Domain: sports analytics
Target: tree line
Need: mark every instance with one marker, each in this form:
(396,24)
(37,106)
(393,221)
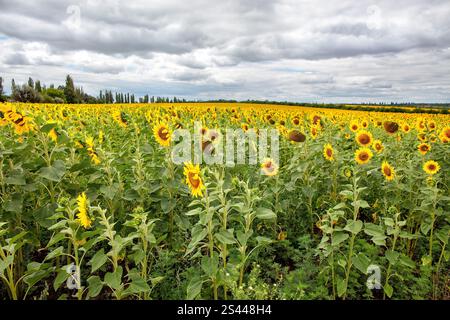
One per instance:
(36,92)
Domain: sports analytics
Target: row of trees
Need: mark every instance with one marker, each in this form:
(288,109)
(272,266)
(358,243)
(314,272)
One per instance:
(35,92)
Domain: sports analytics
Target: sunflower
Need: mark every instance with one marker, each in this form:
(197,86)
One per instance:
(431,167)
(390,126)
(53,134)
(21,124)
(83,211)
(295,121)
(119,116)
(424,148)
(422,137)
(328,152)
(388,171)
(296,136)
(193,179)
(445,135)
(365,124)
(162,134)
(406,128)
(91,150)
(314,131)
(363,155)
(377,145)
(244,127)
(364,138)
(354,126)
(269,167)
(101,136)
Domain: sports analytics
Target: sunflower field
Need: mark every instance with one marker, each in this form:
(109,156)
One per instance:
(93,207)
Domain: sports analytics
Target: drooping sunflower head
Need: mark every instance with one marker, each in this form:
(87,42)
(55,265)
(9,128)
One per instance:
(390,127)
(83,211)
(269,167)
(363,155)
(431,167)
(193,179)
(378,146)
(162,134)
(424,148)
(364,138)
(328,152)
(296,136)
(388,171)
(120,118)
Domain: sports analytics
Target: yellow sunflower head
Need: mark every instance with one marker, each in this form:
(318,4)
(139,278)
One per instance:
(83,211)
(406,128)
(193,179)
(378,146)
(445,135)
(431,167)
(162,134)
(363,155)
(388,171)
(424,148)
(328,152)
(354,126)
(364,138)
(269,167)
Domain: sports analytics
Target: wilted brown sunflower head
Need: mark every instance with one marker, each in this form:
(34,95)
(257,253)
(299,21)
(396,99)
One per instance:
(390,126)
(296,136)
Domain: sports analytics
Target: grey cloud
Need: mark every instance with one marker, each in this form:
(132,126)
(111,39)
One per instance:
(18,59)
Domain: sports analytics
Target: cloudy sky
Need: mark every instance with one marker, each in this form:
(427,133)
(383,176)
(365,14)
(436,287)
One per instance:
(297,50)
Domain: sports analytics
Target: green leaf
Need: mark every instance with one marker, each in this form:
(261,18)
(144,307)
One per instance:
(114,279)
(406,261)
(55,172)
(55,253)
(46,128)
(95,286)
(226,236)
(60,278)
(265,214)
(361,262)
(341,287)
(354,226)
(339,237)
(138,285)
(16,180)
(15,204)
(210,265)
(98,260)
(194,212)
(361,204)
(392,256)
(198,234)
(194,288)
(388,290)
